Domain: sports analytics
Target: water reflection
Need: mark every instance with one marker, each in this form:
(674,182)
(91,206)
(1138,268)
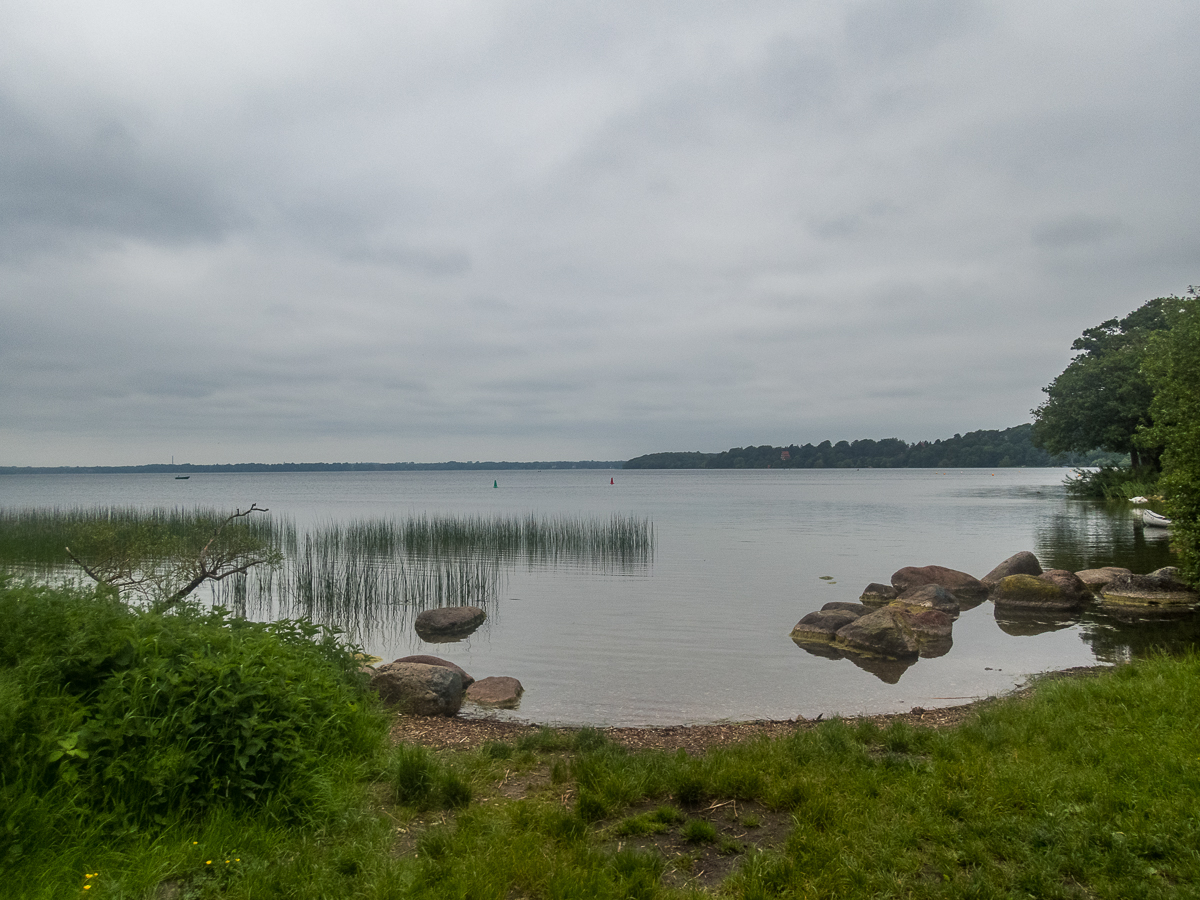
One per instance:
(1088,534)
(371,578)
(1027,623)
(1115,636)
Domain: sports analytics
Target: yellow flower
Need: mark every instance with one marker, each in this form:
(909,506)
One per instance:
(208,862)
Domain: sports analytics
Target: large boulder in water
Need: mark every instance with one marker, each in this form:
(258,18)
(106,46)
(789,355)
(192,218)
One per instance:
(1154,589)
(498,692)
(437,661)
(821,626)
(877,593)
(448,623)
(931,596)
(898,631)
(419,690)
(1049,591)
(960,584)
(859,609)
(1095,579)
(931,628)
(1023,563)
(880,634)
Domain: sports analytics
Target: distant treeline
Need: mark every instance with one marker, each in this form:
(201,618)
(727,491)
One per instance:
(976,449)
(189,469)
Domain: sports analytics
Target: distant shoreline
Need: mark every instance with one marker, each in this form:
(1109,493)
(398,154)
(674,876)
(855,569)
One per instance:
(231,468)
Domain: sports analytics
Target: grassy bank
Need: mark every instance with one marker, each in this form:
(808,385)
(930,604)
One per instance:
(123,735)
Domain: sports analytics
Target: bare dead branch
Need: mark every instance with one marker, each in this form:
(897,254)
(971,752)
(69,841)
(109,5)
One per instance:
(79,562)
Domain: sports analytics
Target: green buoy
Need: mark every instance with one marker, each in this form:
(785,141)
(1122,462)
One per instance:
(495,484)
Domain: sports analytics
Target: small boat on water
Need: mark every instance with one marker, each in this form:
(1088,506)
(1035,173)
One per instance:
(182,477)
(1154,520)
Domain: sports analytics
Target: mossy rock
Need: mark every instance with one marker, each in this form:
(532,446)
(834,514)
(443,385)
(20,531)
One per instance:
(1035,592)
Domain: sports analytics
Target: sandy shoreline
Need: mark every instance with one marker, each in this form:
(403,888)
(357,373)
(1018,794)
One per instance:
(465,734)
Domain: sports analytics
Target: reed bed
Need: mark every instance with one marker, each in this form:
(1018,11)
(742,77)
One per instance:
(34,539)
(368,576)
(364,576)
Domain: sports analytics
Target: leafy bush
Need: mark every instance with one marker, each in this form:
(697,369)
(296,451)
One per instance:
(1112,483)
(135,716)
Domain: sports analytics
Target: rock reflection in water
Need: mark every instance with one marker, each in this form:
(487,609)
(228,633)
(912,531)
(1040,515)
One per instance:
(1027,623)
(1089,534)
(1117,635)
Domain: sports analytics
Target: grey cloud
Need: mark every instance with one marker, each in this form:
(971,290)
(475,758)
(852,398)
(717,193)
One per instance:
(538,229)
(94,178)
(878,29)
(1069,231)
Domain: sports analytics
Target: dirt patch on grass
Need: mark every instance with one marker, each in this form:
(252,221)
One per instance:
(465,734)
(695,858)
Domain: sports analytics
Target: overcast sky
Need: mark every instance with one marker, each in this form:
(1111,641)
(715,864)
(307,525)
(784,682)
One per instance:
(289,231)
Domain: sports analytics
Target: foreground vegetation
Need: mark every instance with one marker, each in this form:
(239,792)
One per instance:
(193,755)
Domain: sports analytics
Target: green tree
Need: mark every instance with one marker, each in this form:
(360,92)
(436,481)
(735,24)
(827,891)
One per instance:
(1173,368)
(1103,398)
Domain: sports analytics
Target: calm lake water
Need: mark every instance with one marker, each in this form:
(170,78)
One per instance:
(700,634)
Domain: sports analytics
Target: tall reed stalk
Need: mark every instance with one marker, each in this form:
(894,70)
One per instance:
(363,575)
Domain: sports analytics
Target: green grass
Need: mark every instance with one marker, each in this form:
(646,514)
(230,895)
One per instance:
(1087,789)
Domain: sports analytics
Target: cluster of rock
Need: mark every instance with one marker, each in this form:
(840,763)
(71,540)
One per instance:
(425,685)
(430,686)
(895,624)
(912,617)
(1021,586)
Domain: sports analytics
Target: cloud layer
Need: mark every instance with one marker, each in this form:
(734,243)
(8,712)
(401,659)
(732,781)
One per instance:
(536,230)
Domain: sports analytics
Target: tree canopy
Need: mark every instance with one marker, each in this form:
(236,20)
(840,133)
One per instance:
(1173,369)
(1103,398)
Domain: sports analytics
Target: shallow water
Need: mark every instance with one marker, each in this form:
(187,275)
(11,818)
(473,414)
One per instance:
(701,634)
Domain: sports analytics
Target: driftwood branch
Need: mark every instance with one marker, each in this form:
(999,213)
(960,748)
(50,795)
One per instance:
(79,562)
(218,568)
(209,565)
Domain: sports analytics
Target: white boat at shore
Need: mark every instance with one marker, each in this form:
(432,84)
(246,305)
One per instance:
(1154,520)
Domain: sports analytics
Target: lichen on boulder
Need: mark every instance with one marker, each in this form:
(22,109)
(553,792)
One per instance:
(1023,563)
(1039,592)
